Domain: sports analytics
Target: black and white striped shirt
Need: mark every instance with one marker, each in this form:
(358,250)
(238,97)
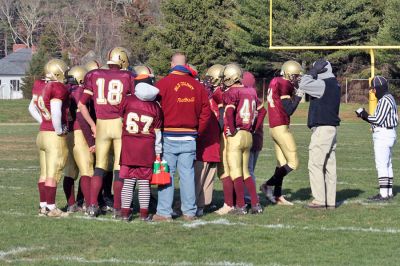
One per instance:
(385,114)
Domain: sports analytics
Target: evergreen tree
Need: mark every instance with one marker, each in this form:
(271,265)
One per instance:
(198,28)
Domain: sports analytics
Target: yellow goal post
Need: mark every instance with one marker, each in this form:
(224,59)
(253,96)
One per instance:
(367,48)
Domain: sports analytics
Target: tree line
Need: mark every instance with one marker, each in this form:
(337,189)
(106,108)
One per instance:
(208,31)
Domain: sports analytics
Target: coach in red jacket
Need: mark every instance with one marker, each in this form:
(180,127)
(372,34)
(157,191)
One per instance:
(186,109)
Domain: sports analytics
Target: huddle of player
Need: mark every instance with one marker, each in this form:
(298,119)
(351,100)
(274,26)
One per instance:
(90,117)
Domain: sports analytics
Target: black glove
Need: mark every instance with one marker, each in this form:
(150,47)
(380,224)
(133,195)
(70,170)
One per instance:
(362,114)
(318,68)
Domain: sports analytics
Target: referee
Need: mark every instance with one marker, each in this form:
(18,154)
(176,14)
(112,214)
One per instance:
(383,122)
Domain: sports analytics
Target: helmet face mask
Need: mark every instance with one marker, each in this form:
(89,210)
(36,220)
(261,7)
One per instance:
(231,75)
(118,56)
(292,71)
(55,70)
(214,75)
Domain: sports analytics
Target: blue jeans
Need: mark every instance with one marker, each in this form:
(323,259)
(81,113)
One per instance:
(178,154)
(252,166)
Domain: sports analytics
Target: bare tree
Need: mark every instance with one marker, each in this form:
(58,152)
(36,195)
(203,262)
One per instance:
(23,17)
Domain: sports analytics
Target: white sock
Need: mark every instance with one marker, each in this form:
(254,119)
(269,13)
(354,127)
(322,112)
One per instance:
(51,207)
(43,204)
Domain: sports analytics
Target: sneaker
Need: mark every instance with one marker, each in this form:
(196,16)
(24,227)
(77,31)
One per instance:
(93,211)
(224,209)
(239,210)
(73,208)
(160,218)
(116,214)
(268,192)
(282,201)
(56,212)
(146,219)
(42,211)
(189,218)
(108,204)
(200,212)
(378,197)
(256,209)
(127,218)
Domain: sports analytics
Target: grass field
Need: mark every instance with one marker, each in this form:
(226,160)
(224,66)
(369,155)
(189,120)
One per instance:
(356,233)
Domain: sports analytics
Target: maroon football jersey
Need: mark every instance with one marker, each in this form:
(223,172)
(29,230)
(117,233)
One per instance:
(245,102)
(107,87)
(140,118)
(75,94)
(279,88)
(53,91)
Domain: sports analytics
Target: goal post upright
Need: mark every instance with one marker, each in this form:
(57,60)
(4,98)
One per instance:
(367,48)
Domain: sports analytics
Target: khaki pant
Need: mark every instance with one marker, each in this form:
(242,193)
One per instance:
(204,173)
(108,135)
(53,153)
(322,165)
(285,146)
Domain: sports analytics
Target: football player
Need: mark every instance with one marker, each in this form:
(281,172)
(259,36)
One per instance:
(107,88)
(144,74)
(81,146)
(51,101)
(281,105)
(239,122)
(141,143)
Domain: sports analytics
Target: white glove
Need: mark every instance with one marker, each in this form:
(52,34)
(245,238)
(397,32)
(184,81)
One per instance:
(300,93)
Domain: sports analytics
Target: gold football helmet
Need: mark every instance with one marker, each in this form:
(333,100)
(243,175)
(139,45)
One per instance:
(78,73)
(213,74)
(118,56)
(291,70)
(91,65)
(142,71)
(231,74)
(55,70)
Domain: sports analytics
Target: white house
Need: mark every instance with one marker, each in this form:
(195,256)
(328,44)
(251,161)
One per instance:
(12,69)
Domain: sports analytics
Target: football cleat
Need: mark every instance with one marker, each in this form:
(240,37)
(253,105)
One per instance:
(239,210)
(73,208)
(282,201)
(256,209)
(224,209)
(56,212)
(93,211)
(268,192)
(378,197)
(42,211)
(116,214)
(146,219)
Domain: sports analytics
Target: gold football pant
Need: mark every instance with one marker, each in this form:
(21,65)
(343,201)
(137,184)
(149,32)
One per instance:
(285,146)
(108,134)
(80,159)
(53,153)
(238,154)
(223,167)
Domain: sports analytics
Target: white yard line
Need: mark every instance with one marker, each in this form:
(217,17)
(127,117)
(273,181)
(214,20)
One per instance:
(15,251)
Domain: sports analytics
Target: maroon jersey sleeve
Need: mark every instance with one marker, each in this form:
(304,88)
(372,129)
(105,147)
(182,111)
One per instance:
(278,89)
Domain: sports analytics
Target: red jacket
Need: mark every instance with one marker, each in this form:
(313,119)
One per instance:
(208,144)
(185,105)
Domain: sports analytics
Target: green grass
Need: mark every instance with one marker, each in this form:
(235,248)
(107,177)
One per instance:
(357,233)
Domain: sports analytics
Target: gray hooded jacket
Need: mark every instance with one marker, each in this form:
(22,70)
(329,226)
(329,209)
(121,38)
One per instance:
(316,87)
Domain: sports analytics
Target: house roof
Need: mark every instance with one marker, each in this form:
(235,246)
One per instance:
(17,63)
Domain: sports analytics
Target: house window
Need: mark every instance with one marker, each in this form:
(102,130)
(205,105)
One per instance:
(14,84)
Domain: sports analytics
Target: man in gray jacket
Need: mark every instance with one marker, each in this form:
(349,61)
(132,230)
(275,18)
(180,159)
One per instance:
(323,118)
